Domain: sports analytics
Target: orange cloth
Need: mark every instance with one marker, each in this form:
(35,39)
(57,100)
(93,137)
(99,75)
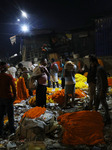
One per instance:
(83,127)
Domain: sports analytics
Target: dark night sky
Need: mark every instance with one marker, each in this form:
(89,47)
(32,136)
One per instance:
(55,14)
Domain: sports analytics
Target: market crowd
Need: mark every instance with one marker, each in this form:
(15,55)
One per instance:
(46,74)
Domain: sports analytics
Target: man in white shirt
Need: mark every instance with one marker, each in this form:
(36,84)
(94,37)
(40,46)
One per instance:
(12,70)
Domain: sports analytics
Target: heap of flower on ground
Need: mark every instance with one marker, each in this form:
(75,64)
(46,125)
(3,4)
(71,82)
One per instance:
(34,112)
(59,96)
(83,127)
(81,81)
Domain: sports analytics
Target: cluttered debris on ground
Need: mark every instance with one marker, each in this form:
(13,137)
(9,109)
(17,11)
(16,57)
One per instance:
(54,128)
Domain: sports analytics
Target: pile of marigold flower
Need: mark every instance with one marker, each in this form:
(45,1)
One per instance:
(57,94)
(32,101)
(81,81)
(83,127)
(52,90)
(58,97)
(22,91)
(79,93)
(49,99)
(34,112)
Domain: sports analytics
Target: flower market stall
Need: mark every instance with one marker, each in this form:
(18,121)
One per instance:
(73,128)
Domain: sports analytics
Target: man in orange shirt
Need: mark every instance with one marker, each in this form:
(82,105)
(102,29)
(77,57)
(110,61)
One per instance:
(6,97)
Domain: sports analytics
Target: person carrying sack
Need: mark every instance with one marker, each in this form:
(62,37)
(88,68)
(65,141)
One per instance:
(41,74)
(33,78)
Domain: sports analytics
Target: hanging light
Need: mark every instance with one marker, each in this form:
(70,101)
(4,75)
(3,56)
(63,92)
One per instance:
(24,14)
(25,28)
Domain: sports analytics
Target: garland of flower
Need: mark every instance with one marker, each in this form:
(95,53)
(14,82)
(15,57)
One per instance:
(22,91)
(79,93)
(83,127)
(34,112)
(59,96)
